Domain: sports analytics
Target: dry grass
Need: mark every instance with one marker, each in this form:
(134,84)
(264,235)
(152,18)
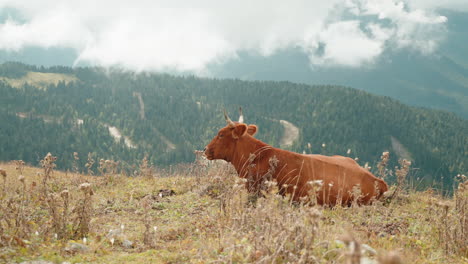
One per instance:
(207,219)
(40,79)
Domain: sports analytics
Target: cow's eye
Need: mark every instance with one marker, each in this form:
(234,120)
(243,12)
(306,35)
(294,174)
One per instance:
(220,135)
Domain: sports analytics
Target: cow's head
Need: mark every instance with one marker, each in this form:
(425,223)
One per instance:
(223,144)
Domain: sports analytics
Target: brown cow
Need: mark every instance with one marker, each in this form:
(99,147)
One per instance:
(294,173)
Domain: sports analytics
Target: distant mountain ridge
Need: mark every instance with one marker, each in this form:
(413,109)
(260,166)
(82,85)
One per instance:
(74,116)
(438,80)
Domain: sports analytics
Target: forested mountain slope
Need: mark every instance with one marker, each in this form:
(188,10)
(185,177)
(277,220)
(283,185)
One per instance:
(167,117)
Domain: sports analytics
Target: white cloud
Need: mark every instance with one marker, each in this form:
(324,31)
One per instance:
(346,44)
(176,35)
(412,28)
(455,5)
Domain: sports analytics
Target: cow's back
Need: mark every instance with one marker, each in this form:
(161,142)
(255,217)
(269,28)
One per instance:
(340,175)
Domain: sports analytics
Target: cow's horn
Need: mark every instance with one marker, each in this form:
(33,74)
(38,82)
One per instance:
(241,116)
(228,120)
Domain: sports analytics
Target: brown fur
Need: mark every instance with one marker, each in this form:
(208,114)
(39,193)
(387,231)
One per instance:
(293,172)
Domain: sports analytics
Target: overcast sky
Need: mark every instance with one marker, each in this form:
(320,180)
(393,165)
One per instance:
(175,35)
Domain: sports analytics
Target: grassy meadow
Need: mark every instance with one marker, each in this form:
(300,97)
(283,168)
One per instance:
(200,214)
(40,79)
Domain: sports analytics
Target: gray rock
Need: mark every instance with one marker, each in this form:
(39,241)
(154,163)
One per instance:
(115,233)
(127,244)
(73,247)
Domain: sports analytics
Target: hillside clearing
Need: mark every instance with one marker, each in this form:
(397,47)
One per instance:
(115,133)
(196,214)
(40,79)
(142,104)
(290,134)
(400,150)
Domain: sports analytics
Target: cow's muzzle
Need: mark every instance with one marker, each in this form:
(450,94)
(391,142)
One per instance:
(208,153)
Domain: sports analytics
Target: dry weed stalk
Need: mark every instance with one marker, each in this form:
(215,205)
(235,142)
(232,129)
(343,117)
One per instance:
(316,186)
(58,214)
(256,183)
(83,210)
(356,193)
(367,167)
(14,216)
(54,212)
(453,226)
(48,164)
(271,230)
(89,164)
(461,213)
(146,169)
(401,174)
(4,176)
(149,234)
(108,168)
(75,166)
(21,219)
(461,201)
(217,182)
(64,221)
(382,165)
(353,255)
(2,210)
(19,166)
(200,165)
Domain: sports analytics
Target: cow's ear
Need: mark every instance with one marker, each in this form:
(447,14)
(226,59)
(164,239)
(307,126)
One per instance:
(252,130)
(239,130)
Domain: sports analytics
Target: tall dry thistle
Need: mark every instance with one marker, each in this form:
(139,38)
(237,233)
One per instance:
(21,219)
(256,183)
(48,164)
(89,164)
(148,235)
(460,213)
(272,230)
(19,166)
(54,212)
(315,187)
(357,195)
(382,165)
(353,255)
(76,159)
(268,177)
(401,174)
(64,221)
(4,176)
(83,211)
(108,168)
(146,169)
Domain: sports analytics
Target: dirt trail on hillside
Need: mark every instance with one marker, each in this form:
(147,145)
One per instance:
(291,134)
(142,104)
(115,133)
(169,144)
(400,150)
